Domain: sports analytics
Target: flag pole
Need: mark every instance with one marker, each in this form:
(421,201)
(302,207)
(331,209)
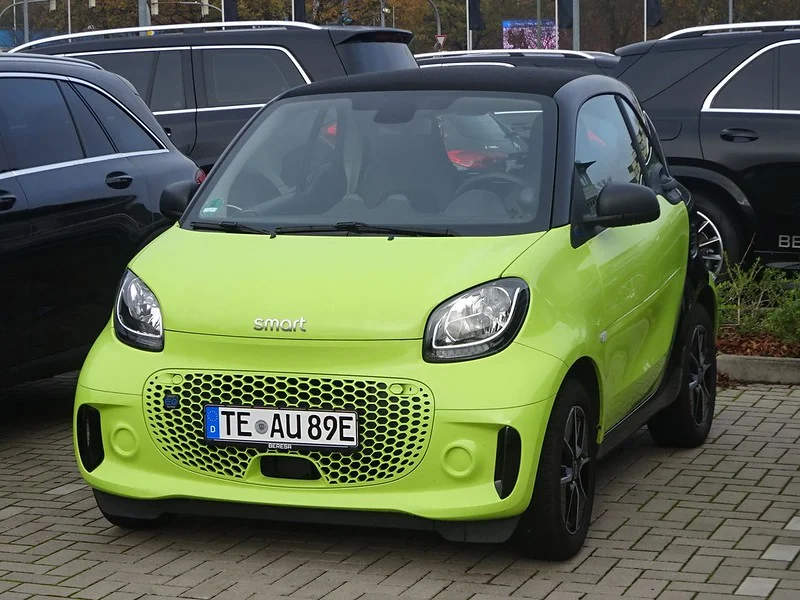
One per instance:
(576,24)
(645,19)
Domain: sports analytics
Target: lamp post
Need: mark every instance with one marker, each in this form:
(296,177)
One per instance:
(438,20)
(13,6)
(469,31)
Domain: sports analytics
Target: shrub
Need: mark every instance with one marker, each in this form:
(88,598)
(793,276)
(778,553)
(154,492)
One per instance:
(784,321)
(750,295)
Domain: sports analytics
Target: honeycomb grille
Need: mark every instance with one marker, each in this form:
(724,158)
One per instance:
(395,419)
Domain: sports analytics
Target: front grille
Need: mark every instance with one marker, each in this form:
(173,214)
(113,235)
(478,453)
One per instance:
(395,418)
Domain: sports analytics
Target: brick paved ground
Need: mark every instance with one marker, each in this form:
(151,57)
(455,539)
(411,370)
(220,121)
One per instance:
(719,522)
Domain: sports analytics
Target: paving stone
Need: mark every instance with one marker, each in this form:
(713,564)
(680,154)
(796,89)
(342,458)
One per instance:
(756,586)
(782,552)
(702,564)
(706,523)
(793,525)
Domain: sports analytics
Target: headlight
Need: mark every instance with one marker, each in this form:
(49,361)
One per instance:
(481,321)
(137,315)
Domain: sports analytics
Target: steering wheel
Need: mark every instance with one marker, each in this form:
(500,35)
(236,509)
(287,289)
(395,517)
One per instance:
(240,211)
(511,204)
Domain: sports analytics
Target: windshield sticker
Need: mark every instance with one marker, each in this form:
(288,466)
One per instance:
(213,206)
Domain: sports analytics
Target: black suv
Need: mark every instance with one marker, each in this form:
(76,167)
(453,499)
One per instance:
(203,81)
(725,100)
(83,163)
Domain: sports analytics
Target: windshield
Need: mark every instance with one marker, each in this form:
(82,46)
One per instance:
(427,159)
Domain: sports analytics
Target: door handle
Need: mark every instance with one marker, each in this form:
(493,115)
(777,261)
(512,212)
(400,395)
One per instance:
(736,135)
(118,180)
(7,200)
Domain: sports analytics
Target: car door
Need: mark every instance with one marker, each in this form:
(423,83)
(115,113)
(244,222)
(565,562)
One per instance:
(163,78)
(15,280)
(232,83)
(750,125)
(85,201)
(639,266)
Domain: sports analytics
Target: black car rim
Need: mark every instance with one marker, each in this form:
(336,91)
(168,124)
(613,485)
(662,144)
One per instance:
(575,469)
(700,372)
(710,244)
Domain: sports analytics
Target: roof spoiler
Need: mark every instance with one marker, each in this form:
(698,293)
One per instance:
(347,35)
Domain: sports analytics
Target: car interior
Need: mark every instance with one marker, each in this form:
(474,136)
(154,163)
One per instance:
(379,167)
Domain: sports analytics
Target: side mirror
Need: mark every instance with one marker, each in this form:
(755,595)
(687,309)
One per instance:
(176,197)
(621,204)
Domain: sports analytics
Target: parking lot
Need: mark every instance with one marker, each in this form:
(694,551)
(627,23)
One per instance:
(720,521)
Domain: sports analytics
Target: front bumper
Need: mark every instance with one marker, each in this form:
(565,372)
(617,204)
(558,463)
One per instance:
(449,486)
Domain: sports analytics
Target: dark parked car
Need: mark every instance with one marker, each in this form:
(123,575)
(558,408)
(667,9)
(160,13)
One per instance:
(82,166)
(725,100)
(203,81)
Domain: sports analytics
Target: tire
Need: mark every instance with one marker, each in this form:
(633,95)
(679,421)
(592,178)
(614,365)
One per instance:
(715,221)
(136,524)
(686,422)
(545,531)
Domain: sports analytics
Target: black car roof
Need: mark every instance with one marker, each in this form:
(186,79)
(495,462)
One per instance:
(717,36)
(542,81)
(42,62)
(207,34)
(597,62)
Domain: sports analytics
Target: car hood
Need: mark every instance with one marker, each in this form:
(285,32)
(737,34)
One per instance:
(342,287)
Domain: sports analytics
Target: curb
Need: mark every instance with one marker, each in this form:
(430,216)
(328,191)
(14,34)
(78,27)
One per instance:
(759,369)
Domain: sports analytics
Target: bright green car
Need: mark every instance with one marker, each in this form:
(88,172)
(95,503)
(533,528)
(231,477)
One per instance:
(363,316)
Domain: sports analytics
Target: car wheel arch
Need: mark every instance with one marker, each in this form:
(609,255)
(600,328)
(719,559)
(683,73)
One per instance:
(720,189)
(722,198)
(708,300)
(585,371)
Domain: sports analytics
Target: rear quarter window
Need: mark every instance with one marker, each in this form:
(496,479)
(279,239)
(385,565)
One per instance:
(365,57)
(136,67)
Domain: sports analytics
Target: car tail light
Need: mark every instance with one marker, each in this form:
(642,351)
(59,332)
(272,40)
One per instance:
(200,176)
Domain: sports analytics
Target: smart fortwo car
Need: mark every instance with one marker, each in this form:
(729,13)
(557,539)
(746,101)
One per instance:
(351,328)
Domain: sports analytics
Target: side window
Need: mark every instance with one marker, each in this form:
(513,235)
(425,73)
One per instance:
(94,138)
(604,151)
(642,139)
(237,76)
(750,88)
(34,110)
(788,81)
(127,134)
(136,67)
(168,90)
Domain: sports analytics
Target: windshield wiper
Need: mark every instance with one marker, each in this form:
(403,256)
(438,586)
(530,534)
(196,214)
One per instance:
(358,227)
(234,226)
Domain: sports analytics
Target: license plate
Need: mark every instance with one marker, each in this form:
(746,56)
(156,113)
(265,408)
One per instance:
(281,429)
